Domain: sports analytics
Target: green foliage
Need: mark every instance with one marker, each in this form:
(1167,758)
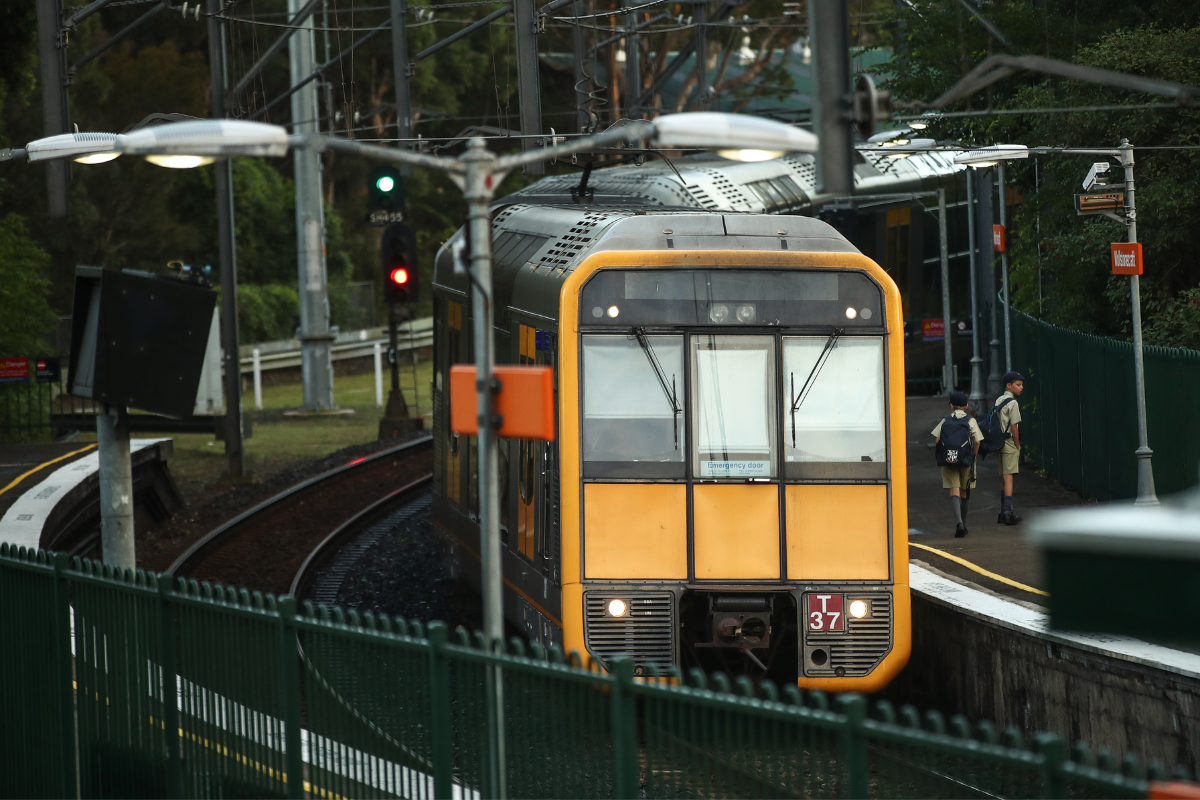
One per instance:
(26,317)
(267,313)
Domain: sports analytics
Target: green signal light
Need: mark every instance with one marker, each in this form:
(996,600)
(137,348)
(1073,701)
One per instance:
(385,184)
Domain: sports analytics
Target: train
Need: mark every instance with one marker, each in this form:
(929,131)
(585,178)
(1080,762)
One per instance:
(727,489)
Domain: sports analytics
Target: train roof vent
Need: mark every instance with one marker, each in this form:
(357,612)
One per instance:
(726,187)
(567,248)
(805,169)
(701,195)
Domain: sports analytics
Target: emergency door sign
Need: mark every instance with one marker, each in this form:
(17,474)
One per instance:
(998,238)
(1127,258)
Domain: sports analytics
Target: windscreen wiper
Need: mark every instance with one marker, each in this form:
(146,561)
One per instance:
(798,399)
(670,394)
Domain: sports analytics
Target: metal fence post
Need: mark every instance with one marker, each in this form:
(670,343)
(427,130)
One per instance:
(439,711)
(1054,752)
(64,677)
(624,729)
(854,707)
(289,666)
(170,688)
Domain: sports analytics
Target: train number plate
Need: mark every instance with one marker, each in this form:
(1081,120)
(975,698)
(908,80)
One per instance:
(825,612)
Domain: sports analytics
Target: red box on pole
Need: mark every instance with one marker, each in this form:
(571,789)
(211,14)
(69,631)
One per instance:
(1126,258)
(998,242)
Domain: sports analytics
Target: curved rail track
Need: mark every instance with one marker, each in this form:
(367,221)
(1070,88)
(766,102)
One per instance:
(279,545)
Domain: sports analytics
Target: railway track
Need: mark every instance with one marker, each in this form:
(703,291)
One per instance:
(280,545)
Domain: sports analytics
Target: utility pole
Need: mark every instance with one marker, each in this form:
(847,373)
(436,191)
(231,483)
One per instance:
(1145,494)
(56,118)
(994,387)
(947,331)
(227,252)
(116,488)
(400,75)
(316,342)
(702,56)
(633,64)
(829,31)
(1004,269)
(528,92)
(977,398)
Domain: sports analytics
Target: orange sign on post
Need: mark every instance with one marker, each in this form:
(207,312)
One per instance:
(525,402)
(998,238)
(1127,258)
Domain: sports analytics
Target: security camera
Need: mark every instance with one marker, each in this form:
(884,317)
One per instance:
(1097,175)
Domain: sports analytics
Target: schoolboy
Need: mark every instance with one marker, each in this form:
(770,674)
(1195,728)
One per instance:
(960,480)
(1010,456)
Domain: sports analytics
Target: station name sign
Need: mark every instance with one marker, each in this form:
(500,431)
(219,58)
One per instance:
(1126,258)
(998,240)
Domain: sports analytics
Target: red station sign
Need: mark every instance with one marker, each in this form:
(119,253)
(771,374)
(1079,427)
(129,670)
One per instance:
(1126,258)
(998,242)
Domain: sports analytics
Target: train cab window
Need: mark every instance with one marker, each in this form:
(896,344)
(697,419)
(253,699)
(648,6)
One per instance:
(633,406)
(834,404)
(733,412)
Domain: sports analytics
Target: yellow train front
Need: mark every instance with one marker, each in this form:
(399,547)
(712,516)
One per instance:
(727,490)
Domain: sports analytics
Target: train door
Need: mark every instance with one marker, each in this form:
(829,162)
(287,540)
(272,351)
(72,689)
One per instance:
(533,462)
(455,445)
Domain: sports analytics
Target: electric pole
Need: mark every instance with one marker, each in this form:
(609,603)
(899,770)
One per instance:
(316,341)
(227,252)
(528,91)
(829,31)
(56,118)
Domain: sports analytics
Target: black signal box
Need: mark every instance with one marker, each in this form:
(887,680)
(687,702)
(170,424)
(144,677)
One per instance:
(138,340)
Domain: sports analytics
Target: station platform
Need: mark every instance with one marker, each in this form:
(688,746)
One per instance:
(996,556)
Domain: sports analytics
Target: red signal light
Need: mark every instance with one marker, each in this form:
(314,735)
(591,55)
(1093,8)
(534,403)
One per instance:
(399,276)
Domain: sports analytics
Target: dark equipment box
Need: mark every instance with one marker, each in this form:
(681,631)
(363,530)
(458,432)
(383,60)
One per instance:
(138,340)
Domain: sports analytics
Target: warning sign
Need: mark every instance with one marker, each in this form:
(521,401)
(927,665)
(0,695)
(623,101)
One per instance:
(933,330)
(14,370)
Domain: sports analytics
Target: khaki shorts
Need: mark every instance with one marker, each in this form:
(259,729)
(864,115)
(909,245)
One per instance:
(1010,459)
(955,478)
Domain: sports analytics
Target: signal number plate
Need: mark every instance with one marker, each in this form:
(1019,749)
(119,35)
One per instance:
(825,612)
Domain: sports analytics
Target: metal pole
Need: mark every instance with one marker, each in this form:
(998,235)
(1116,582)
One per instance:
(977,398)
(1145,494)
(829,31)
(525,17)
(1004,270)
(583,85)
(994,387)
(633,64)
(257,379)
(400,74)
(55,109)
(701,56)
(947,331)
(479,185)
(116,488)
(228,253)
(378,354)
(316,342)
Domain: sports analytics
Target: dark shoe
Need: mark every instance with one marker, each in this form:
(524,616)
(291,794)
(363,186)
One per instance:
(960,531)
(1000,519)
(1012,519)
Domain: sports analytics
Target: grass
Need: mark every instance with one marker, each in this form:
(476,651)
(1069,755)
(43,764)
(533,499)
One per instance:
(280,441)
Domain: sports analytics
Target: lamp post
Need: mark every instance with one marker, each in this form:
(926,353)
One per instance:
(478,173)
(977,397)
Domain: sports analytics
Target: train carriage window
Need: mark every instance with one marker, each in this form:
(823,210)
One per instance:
(632,406)
(833,413)
(734,406)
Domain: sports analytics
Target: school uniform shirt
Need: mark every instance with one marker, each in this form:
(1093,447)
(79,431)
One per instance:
(1009,415)
(976,434)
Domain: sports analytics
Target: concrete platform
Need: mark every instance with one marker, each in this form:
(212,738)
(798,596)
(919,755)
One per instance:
(52,499)
(1000,550)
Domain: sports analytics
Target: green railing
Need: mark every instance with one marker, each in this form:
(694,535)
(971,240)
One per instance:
(1079,412)
(137,686)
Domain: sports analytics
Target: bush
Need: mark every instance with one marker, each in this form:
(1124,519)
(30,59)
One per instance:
(267,313)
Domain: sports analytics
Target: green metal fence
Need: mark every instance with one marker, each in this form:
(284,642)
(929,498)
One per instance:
(133,685)
(1079,412)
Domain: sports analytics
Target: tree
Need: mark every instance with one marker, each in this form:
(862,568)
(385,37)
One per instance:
(27,318)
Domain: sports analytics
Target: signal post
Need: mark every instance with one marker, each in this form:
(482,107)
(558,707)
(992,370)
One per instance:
(398,258)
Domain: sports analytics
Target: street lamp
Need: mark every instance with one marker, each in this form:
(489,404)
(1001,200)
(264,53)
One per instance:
(85,148)
(995,156)
(478,173)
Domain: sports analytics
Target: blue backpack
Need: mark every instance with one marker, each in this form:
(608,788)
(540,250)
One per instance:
(994,434)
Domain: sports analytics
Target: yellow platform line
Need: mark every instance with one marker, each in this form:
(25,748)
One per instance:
(981,570)
(25,475)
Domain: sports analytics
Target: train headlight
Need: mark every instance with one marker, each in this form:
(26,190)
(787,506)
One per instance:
(858,608)
(613,311)
(617,608)
(749,154)
(745,313)
(851,313)
(718,313)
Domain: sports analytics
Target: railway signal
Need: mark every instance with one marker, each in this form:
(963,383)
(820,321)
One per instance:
(385,196)
(399,257)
